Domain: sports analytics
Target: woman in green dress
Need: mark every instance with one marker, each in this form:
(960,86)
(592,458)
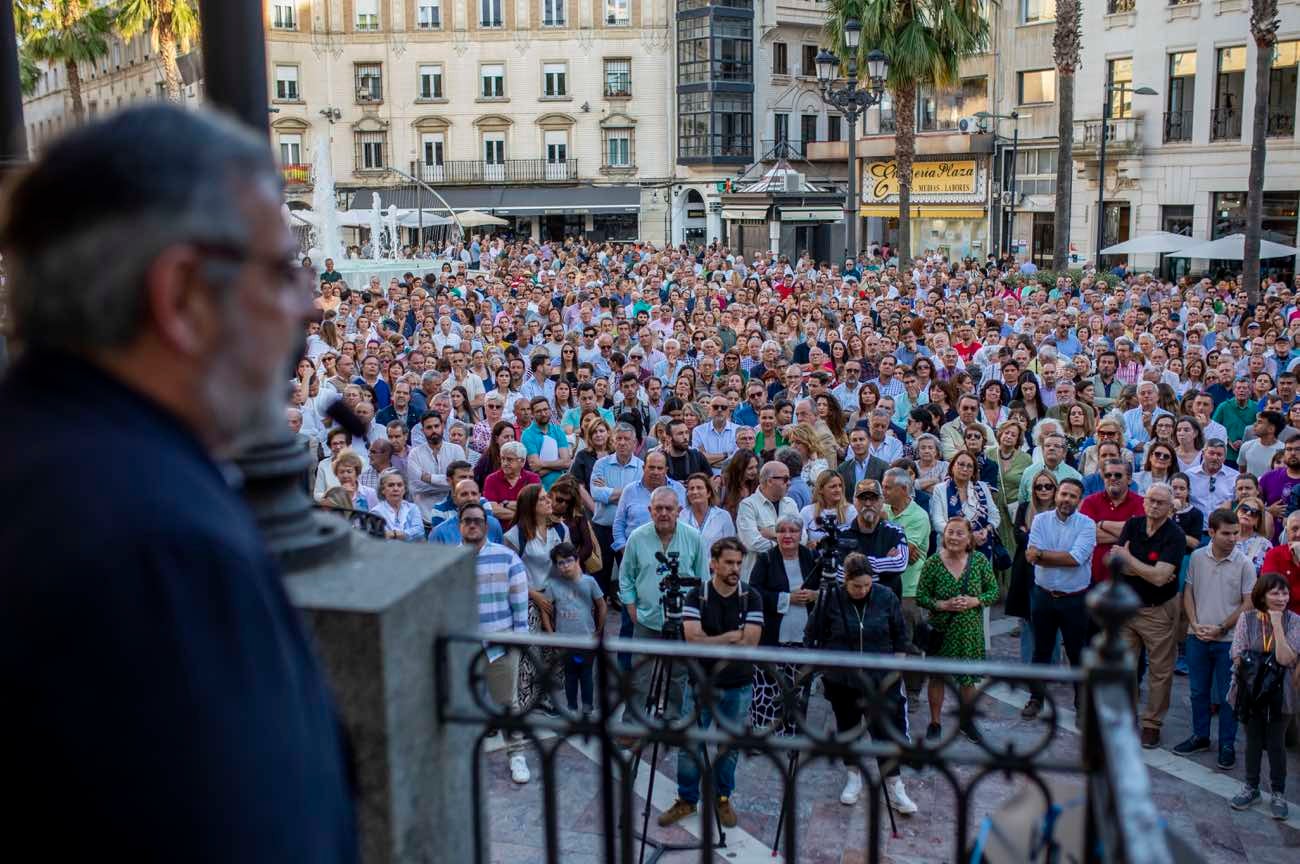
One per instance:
(956,583)
(1012,462)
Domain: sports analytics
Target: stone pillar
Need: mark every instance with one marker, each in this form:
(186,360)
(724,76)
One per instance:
(373,613)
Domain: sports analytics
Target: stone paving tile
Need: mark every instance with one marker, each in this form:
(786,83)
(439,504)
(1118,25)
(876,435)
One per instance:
(831,833)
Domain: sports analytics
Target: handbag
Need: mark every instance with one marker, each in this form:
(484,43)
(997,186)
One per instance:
(1260,681)
(593,562)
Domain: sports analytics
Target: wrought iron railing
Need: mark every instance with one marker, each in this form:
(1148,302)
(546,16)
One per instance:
(1281,124)
(1178,126)
(296,174)
(1225,124)
(472,171)
(1106,776)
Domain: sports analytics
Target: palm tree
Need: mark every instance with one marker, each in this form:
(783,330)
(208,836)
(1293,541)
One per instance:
(169,22)
(68,32)
(926,41)
(1066,45)
(1263,29)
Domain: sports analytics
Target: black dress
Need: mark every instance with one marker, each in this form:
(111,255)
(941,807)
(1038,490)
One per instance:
(1022,572)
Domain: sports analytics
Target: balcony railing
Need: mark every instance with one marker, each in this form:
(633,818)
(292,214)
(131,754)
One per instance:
(1178,126)
(785,148)
(1281,124)
(728,147)
(1102,778)
(1225,124)
(465,172)
(296,174)
(1123,135)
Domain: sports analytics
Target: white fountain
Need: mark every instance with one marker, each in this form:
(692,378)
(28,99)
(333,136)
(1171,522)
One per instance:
(325,206)
(394,232)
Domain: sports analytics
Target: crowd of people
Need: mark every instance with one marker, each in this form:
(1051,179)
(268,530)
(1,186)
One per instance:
(971,435)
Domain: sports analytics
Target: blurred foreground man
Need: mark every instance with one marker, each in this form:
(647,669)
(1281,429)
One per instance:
(156,679)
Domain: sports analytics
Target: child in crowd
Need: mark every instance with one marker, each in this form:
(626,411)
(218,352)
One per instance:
(579,611)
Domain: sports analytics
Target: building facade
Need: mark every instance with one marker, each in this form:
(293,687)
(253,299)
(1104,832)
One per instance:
(1179,160)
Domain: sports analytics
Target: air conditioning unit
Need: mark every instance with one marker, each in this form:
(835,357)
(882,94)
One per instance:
(1010,199)
(971,125)
(793,182)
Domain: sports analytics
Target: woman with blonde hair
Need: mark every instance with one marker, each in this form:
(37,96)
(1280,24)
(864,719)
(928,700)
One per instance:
(1256,530)
(817,455)
(828,497)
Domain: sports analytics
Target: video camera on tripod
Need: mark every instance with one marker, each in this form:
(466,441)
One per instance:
(828,560)
(672,590)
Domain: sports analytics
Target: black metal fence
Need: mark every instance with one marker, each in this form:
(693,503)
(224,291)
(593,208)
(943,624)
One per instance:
(1122,824)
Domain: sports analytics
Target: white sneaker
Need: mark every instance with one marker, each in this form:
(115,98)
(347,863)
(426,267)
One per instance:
(852,788)
(519,769)
(898,797)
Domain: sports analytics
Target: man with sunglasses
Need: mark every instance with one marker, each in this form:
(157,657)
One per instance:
(1111,508)
(163,616)
(883,543)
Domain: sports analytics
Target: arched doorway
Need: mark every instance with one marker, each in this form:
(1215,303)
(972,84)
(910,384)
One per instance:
(695,221)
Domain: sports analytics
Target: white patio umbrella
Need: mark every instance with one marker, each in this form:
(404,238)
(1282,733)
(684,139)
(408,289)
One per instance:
(475,218)
(1149,244)
(1233,248)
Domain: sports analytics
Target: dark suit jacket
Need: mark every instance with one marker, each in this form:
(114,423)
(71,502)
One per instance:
(876,468)
(768,578)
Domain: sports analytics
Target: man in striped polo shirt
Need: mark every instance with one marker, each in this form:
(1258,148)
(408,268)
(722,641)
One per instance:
(502,605)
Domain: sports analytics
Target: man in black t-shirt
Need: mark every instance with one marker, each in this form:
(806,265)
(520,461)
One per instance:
(1149,552)
(720,612)
(684,460)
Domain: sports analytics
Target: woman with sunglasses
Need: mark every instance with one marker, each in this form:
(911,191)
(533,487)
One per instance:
(1042,498)
(1159,466)
(1256,530)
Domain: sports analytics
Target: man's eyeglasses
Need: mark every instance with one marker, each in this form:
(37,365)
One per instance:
(1113,475)
(473,520)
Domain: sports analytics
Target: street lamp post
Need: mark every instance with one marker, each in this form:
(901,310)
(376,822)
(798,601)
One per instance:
(851,102)
(1007,221)
(1110,88)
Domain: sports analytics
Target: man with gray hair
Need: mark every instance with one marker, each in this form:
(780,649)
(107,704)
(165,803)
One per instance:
(902,510)
(168,305)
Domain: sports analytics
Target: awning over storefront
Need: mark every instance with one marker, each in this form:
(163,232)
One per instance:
(515,200)
(812,214)
(927,211)
(745,214)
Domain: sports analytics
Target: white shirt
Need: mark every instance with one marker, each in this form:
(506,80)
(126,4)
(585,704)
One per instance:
(472,383)
(717,524)
(424,461)
(754,514)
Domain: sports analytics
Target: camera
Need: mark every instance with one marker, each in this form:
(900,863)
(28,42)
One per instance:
(672,590)
(827,552)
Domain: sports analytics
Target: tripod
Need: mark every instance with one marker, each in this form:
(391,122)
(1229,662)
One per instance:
(826,569)
(656,706)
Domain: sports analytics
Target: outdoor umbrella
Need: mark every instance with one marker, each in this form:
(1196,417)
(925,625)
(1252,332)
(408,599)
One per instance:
(1148,244)
(1233,248)
(475,218)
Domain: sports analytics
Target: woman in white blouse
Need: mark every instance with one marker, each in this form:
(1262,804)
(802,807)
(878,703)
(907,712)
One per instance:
(961,492)
(401,517)
(827,497)
(702,511)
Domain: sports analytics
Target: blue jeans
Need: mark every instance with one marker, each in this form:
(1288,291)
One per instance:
(1209,672)
(732,704)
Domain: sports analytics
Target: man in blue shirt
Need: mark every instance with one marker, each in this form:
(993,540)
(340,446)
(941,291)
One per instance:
(540,439)
(1137,421)
(1060,549)
(464,491)
(610,476)
(634,503)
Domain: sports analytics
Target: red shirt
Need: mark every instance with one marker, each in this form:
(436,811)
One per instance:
(1099,508)
(1280,560)
(497,490)
(965,350)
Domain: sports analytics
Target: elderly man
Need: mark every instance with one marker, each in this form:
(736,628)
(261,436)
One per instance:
(902,510)
(167,306)
(610,475)
(757,515)
(1212,481)
(1111,509)
(1149,552)
(464,492)
(638,581)
(1137,421)
(1053,462)
(952,435)
(884,543)
(717,438)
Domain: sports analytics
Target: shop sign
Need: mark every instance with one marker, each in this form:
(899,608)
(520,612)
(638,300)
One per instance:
(928,178)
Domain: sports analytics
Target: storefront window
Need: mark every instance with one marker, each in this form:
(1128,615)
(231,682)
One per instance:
(1278,225)
(1176,219)
(613,226)
(1043,239)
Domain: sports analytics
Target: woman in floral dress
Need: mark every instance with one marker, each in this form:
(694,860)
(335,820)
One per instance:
(956,584)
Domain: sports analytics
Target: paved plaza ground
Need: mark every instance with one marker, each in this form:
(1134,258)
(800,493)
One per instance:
(1190,793)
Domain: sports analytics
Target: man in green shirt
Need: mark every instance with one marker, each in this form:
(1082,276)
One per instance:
(638,583)
(903,511)
(330,274)
(1237,415)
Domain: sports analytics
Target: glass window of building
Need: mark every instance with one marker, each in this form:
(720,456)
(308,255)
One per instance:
(1036,86)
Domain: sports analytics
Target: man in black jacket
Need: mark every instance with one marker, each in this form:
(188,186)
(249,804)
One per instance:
(883,543)
(860,464)
(683,459)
